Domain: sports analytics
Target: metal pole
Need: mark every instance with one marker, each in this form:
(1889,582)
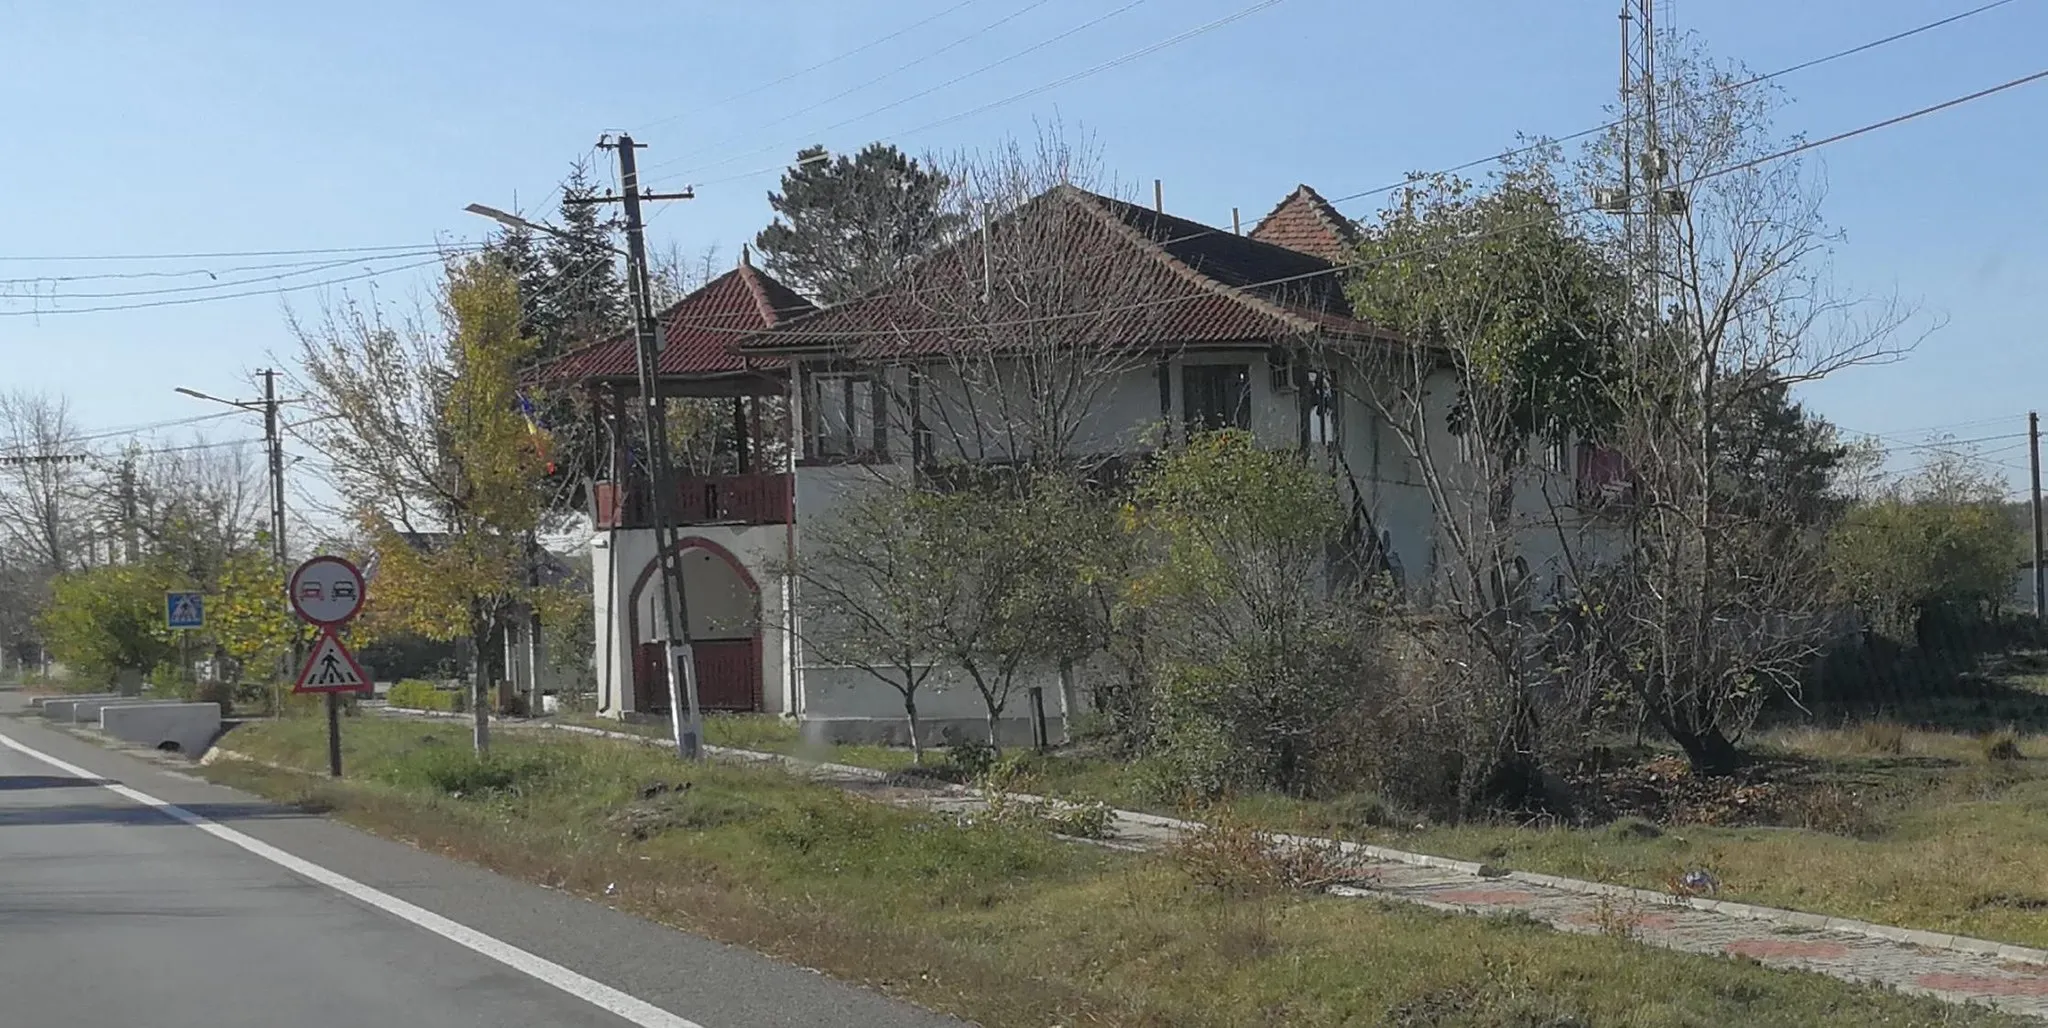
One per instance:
(273,441)
(2034,460)
(334,734)
(675,611)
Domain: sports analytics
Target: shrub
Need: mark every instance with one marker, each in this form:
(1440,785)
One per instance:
(417,694)
(1231,856)
(1835,810)
(970,759)
(2001,746)
(459,772)
(1887,737)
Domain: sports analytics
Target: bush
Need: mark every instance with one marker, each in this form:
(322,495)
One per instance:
(970,759)
(459,772)
(1230,856)
(2002,746)
(416,694)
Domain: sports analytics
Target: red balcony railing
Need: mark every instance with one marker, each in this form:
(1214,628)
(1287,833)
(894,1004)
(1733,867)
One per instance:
(756,499)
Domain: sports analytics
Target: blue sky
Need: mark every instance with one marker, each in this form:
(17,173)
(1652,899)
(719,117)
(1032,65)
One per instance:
(157,128)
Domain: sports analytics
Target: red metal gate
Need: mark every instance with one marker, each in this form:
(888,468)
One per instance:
(728,676)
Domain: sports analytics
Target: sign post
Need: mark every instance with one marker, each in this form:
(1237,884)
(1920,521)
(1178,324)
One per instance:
(327,592)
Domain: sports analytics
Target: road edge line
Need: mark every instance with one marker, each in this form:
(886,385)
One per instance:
(596,993)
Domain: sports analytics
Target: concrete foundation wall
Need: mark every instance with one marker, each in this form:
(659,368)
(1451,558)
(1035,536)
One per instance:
(934,731)
(64,708)
(192,727)
(41,703)
(87,712)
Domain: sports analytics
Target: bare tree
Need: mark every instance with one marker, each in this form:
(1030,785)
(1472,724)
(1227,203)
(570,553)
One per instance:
(1510,320)
(870,584)
(42,480)
(1042,301)
(1714,602)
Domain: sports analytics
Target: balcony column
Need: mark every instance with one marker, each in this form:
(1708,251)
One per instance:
(739,433)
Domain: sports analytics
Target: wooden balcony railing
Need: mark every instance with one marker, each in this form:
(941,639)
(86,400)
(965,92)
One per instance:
(756,499)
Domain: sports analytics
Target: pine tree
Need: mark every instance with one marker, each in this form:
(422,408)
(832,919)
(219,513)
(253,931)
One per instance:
(844,227)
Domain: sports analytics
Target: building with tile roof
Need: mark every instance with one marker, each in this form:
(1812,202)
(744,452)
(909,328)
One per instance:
(1127,326)
(1306,223)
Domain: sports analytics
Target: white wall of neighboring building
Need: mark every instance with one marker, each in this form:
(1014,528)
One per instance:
(719,607)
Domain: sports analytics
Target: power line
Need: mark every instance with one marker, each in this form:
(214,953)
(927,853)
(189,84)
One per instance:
(221,296)
(957,79)
(311,269)
(1728,87)
(899,69)
(1745,165)
(218,254)
(826,63)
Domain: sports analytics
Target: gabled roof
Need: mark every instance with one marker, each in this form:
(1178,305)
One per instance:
(700,329)
(1307,223)
(1143,277)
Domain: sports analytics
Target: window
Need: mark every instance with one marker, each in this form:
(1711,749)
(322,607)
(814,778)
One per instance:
(1468,446)
(844,417)
(1216,396)
(1556,458)
(1318,409)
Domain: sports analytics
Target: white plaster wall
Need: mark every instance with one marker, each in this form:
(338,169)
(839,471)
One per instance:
(1118,411)
(717,606)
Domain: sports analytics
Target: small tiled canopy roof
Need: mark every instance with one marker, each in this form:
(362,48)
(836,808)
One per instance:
(1126,271)
(1307,223)
(701,329)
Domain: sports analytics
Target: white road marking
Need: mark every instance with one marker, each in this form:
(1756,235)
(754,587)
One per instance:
(596,993)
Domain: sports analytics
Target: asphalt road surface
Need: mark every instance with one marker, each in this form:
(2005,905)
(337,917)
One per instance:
(225,911)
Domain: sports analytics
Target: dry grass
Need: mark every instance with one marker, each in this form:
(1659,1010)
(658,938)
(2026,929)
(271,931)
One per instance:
(1235,858)
(1012,928)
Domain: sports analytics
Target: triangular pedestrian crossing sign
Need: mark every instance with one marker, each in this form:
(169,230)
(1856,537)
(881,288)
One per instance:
(331,668)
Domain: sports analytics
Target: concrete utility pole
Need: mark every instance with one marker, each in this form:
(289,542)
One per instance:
(273,443)
(684,714)
(2034,460)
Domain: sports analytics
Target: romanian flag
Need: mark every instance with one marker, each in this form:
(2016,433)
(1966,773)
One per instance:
(536,431)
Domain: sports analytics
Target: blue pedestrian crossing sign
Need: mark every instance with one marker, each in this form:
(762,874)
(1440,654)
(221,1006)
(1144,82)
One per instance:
(185,610)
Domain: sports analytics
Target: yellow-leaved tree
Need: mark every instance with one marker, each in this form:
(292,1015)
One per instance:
(421,421)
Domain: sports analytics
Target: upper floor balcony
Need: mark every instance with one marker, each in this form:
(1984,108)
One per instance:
(761,498)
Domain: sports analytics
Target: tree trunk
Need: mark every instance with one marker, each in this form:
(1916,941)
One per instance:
(1707,750)
(480,700)
(910,721)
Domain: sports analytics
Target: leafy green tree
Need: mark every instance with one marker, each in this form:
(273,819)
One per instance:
(1937,548)
(250,621)
(846,225)
(1500,285)
(1257,647)
(427,430)
(106,620)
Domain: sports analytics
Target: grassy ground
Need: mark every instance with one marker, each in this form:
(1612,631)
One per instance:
(1001,925)
(1875,821)
(766,733)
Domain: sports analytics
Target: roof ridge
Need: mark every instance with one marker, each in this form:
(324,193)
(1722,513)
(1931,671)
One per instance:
(1187,271)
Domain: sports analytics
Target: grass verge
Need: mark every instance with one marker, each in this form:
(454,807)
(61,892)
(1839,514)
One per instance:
(998,924)
(1943,831)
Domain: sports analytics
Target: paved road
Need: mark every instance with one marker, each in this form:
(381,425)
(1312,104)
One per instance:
(113,913)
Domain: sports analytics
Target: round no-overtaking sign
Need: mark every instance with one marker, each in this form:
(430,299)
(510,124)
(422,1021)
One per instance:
(327,591)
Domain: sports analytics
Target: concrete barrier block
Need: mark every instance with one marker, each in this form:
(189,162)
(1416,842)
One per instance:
(60,708)
(188,728)
(87,712)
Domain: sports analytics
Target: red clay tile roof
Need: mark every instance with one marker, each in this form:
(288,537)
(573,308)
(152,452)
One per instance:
(700,329)
(1124,272)
(1307,223)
